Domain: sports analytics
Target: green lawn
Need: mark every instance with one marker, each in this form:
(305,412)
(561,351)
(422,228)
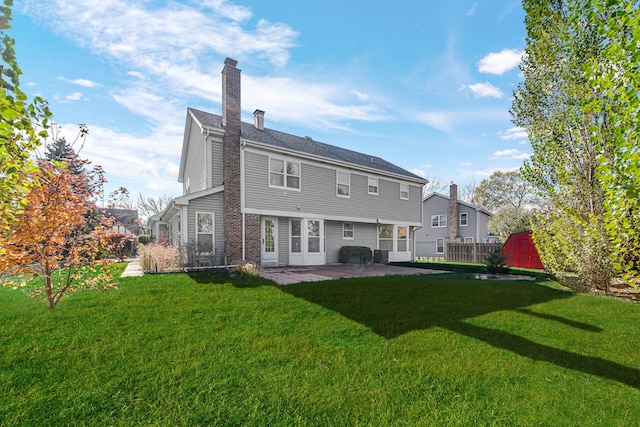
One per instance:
(423,350)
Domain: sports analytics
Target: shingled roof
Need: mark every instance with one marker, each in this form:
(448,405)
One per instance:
(304,145)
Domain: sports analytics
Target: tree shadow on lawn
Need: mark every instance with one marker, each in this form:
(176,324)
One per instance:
(393,306)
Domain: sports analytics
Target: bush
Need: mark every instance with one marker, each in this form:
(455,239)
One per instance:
(495,259)
(121,245)
(355,255)
(145,239)
(158,257)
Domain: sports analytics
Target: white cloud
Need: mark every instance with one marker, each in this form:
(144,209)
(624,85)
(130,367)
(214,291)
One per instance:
(81,82)
(500,62)
(514,133)
(75,96)
(510,154)
(418,172)
(485,90)
(447,121)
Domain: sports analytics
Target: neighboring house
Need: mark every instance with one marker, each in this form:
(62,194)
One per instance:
(447,219)
(126,221)
(257,194)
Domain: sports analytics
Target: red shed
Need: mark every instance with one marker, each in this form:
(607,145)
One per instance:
(521,252)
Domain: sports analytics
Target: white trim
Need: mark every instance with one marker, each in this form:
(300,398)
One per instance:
(339,218)
(443,247)
(377,185)
(213,230)
(184,227)
(285,161)
(466,216)
(408,188)
(342,171)
(446,217)
(353,231)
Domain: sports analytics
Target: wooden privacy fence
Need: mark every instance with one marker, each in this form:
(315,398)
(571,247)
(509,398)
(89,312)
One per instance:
(468,252)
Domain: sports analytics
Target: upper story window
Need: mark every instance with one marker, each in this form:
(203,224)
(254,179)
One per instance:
(464,219)
(404,191)
(372,187)
(438,221)
(343,180)
(284,173)
(347,231)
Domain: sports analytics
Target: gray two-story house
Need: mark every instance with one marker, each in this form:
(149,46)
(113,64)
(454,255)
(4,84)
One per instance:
(448,219)
(256,194)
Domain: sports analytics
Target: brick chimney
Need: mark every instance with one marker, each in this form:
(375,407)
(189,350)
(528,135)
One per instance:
(232,215)
(453,214)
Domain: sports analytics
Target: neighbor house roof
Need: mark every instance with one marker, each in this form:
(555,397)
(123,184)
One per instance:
(305,145)
(472,206)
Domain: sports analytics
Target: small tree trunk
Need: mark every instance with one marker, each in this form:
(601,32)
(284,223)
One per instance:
(48,286)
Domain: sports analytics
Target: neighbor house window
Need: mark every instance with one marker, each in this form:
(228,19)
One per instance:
(438,221)
(284,173)
(204,232)
(464,219)
(440,245)
(372,187)
(343,179)
(347,230)
(468,239)
(404,191)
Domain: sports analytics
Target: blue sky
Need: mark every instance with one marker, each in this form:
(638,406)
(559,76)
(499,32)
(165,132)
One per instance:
(424,84)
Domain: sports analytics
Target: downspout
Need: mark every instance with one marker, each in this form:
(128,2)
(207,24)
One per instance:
(242,210)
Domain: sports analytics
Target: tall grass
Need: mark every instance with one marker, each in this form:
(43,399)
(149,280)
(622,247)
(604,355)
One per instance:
(210,349)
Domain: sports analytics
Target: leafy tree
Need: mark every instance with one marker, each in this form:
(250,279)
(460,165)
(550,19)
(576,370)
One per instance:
(615,77)
(505,189)
(509,220)
(53,237)
(569,136)
(22,126)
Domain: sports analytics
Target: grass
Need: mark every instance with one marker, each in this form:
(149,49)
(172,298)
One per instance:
(206,349)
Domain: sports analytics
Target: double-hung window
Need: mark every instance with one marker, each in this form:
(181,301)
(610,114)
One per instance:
(464,219)
(372,187)
(440,245)
(347,231)
(343,180)
(284,173)
(404,191)
(204,232)
(438,221)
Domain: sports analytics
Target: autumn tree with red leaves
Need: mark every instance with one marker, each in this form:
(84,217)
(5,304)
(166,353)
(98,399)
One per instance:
(57,233)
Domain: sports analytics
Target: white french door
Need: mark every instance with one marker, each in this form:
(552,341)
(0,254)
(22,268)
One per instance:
(306,242)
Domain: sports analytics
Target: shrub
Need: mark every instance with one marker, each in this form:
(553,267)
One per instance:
(355,255)
(121,245)
(495,259)
(158,257)
(245,269)
(145,239)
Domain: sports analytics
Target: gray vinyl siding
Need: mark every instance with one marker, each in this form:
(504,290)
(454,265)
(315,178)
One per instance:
(196,163)
(173,227)
(363,235)
(208,204)
(317,195)
(217,177)
(439,205)
(283,241)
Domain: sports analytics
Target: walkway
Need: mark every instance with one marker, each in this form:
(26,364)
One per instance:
(293,274)
(133,269)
